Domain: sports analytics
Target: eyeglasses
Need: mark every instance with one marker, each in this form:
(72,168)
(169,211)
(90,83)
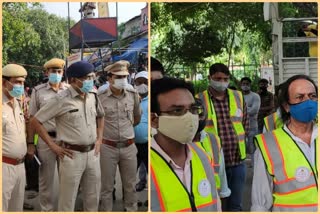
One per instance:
(194,109)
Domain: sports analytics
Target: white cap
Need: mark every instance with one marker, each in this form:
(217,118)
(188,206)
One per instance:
(143,74)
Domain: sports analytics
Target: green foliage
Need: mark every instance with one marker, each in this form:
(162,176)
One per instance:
(197,34)
(31,36)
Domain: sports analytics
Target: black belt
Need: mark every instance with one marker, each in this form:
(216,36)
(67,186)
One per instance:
(53,134)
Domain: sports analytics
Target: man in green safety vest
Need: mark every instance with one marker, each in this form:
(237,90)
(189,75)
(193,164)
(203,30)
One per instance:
(210,143)
(227,118)
(182,176)
(285,172)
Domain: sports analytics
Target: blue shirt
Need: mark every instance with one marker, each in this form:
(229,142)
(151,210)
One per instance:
(141,130)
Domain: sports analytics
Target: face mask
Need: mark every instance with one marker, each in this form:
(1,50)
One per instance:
(305,111)
(245,88)
(179,128)
(219,86)
(16,91)
(120,83)
(202,125)
(55,78)
(263,88)
(142,89)
(87,86)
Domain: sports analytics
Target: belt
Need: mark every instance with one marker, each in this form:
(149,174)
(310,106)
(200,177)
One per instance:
(79,148)
(52,134)
(118,144)
(12,161)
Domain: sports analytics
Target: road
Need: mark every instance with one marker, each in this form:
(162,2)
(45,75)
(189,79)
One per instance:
(117,205)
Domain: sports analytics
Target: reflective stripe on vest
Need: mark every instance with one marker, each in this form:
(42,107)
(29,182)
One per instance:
(272,122)
(169,194)
(287,165)
(212,147)
(236,116)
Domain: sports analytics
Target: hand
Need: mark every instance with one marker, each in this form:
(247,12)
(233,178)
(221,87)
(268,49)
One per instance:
(31,150)
(61,152)
(97,147)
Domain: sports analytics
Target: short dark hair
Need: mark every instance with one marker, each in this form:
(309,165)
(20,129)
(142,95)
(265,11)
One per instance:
(6,78)
(156,65)
(219,67)
(166,84)
(263,81)
(284,94)
(245,78)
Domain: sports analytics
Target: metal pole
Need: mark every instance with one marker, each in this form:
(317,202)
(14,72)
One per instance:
(82,42)
(117,25)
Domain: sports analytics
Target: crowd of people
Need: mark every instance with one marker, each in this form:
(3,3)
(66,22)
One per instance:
(77,134)
(200,143)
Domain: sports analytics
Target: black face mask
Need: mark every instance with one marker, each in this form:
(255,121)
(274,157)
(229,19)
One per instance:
(202,124)
(263,88)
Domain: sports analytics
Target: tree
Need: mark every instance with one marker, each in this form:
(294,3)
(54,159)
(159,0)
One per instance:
(31,36)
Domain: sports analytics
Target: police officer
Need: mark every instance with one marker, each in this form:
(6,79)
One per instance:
(40,96)
(79,124)
(14,146)
(122,113)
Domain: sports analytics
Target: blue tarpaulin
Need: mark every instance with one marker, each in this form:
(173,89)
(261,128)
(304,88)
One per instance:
(131,55)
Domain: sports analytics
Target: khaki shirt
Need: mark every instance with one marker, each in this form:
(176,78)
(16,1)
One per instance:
(40,96)
(119,114)
(14,143)
(75,117)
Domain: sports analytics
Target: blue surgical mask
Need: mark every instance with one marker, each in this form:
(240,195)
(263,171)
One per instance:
(16,91)
(305,111)
(55,78)
(87,86)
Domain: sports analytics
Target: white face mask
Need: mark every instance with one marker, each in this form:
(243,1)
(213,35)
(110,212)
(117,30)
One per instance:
(219,86)
(120,83)
(141,89)
(179,128)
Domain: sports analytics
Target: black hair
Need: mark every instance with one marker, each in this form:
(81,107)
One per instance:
(245,78)
(284,94)
(6,78)
(156,65)
(263,81)
(166,84)
(219,67)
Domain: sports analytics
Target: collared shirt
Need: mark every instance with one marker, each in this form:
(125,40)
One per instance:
(183,174)
(253,105)
(227,134)
(141,130)
(119,114)
(75,116)
(14,143)
(262,183)
(40,96)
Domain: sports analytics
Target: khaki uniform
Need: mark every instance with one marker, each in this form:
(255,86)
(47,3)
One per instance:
(13,146)
(76,125)
(48,195)
(119,118)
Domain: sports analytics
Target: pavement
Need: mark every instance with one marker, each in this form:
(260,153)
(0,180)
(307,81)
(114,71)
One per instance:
(32,197)
(143,195)
(246,202)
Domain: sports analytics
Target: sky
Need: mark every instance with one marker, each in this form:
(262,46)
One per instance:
(126,10)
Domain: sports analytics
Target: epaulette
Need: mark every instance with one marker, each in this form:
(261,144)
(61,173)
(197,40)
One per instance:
(38,87)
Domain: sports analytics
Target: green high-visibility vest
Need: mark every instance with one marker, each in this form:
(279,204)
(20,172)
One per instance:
(168,193)
(236,109)
(272,122)
(211,146)
(294,178)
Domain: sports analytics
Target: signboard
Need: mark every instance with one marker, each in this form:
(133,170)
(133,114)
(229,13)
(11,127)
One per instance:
(74,58)
(267,73)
